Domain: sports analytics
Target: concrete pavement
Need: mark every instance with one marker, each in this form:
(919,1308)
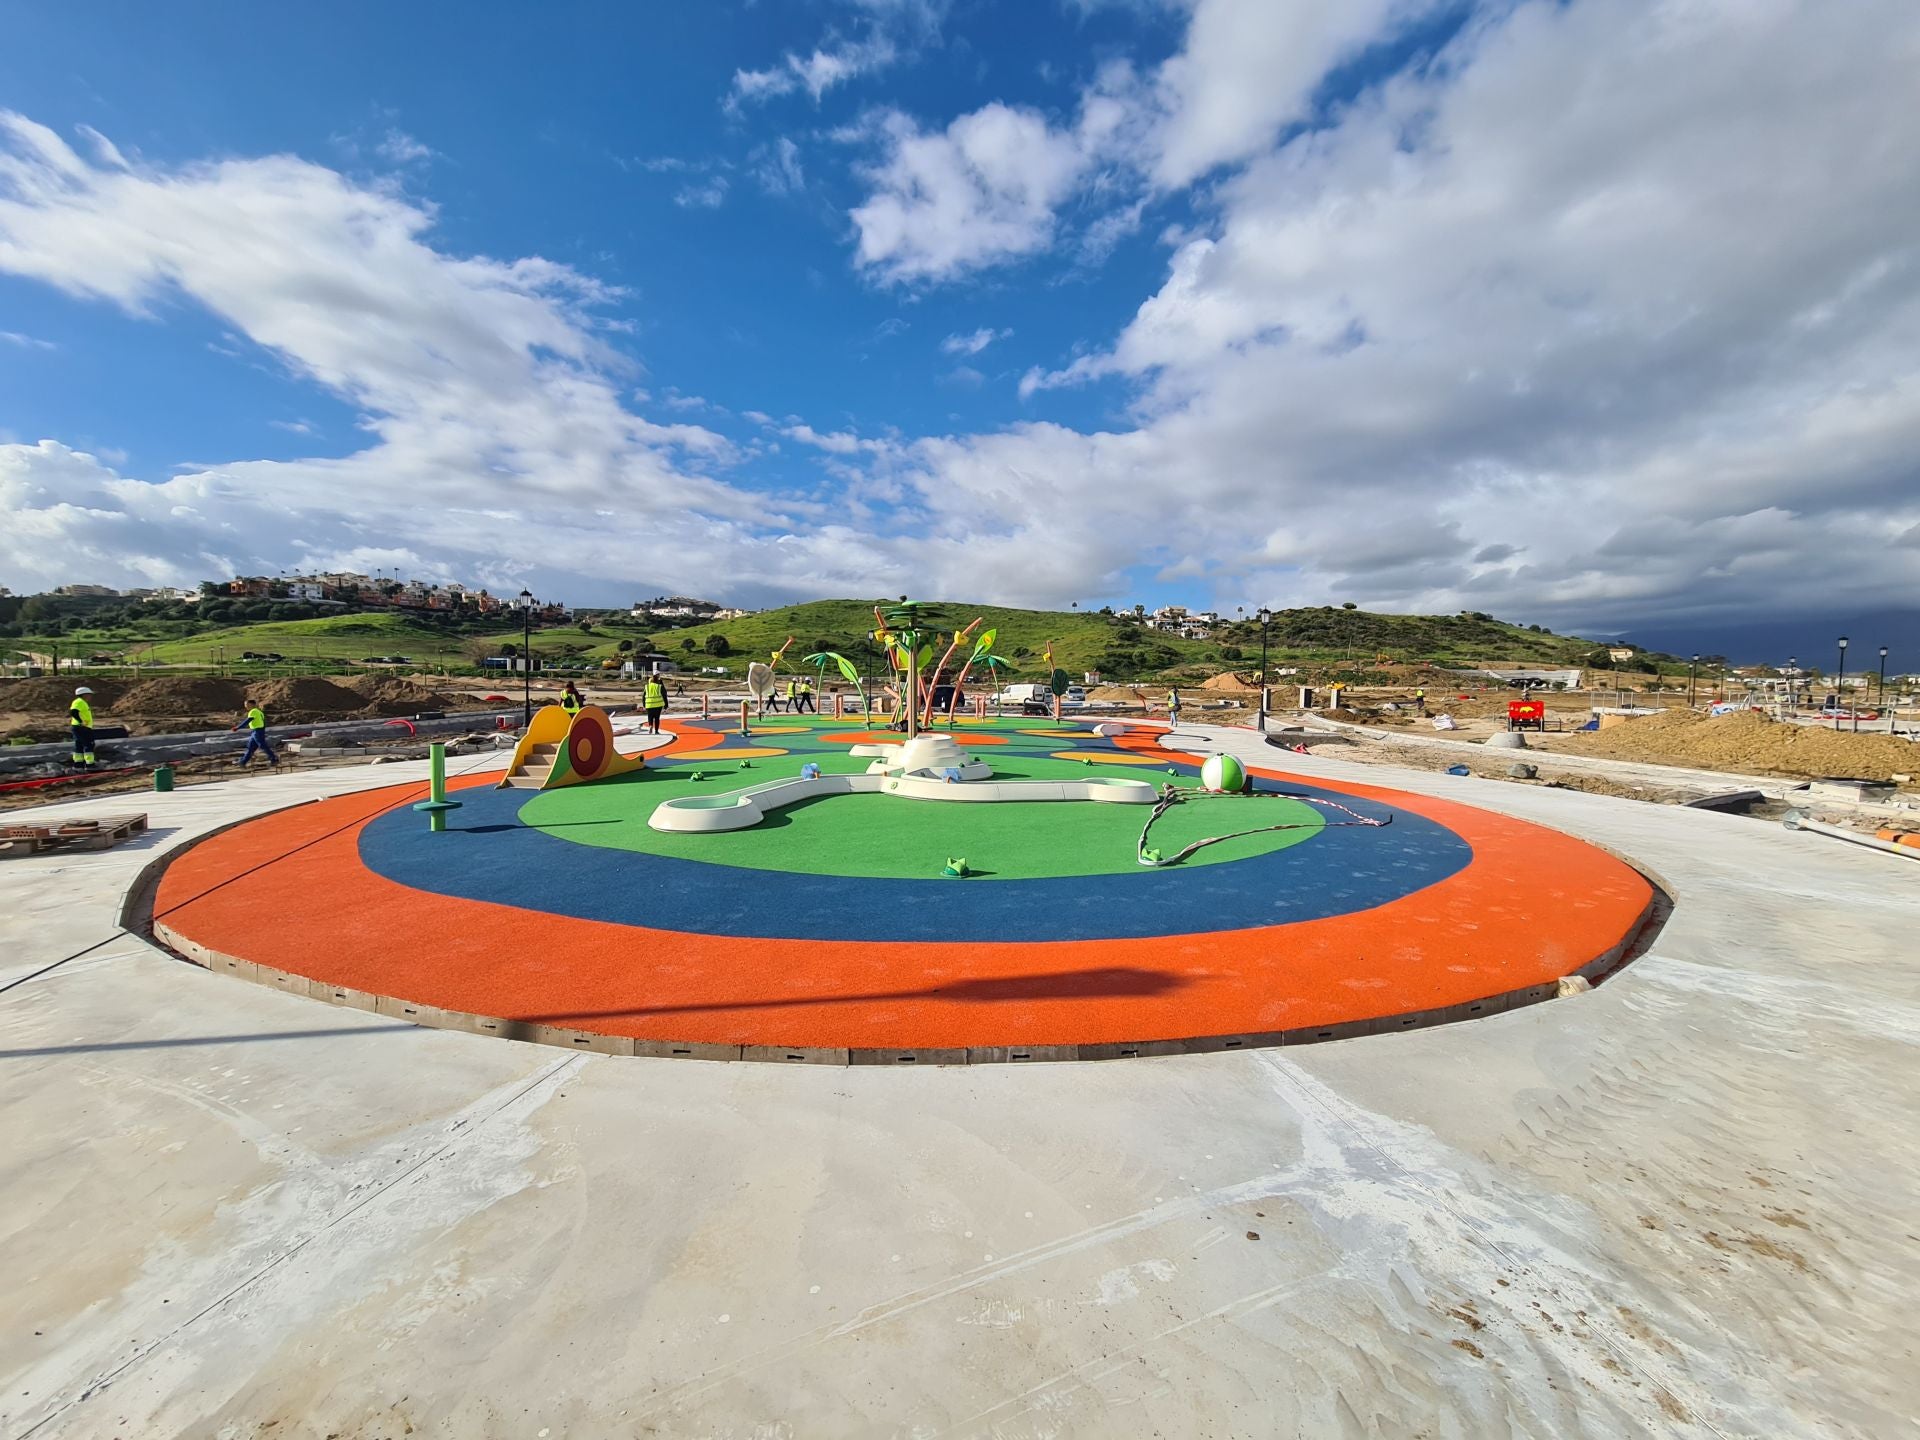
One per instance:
(1680,1204)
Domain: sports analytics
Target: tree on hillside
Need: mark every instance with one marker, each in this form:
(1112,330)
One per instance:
(625,647)
(686,643)
(1348,605)
(717,646)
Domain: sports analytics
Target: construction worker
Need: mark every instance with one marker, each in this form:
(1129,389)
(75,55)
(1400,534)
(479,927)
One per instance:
(654,699)
(1420,701)
(1173,706)
(256,722)
(570,700)
(80,718)
(793,696)
(806,697)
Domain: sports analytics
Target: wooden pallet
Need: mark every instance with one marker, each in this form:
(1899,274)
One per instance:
(17,840)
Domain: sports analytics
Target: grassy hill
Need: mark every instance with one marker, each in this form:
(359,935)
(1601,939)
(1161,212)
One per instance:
(1325,640)
(332,637)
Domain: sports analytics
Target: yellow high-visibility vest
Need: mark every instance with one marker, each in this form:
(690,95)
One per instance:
(256,718)
(570,702)
(80,712)
(656,695)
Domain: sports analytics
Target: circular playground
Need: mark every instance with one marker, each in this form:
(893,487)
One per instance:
(815,890)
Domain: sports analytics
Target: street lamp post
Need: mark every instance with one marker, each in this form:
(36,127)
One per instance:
(1266,619)
(1793,685)
(526,655)
(1840,683)
(1693,664)
(1882,701)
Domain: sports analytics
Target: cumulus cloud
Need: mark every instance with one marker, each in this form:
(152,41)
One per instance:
(1603,312)
(489,397)
(1248,67)
(980,191)
(989,188)
(1618,292)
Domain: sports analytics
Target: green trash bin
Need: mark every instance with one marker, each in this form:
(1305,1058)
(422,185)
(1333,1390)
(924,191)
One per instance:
(163,778)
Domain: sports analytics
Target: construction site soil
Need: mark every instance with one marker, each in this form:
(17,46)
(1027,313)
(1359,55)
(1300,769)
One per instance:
(38,708)
(1749,743)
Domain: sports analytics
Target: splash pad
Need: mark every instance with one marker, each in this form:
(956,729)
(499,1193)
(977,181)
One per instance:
(837,926)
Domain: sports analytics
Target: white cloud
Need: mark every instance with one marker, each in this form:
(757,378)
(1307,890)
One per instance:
(974,342)
(295,427)
(1608,311)
(816,72)
(26,342)
(893,31)
(490,402)
(842,442)
(708,194)
(980,191)
(1249,67)
(1621,290)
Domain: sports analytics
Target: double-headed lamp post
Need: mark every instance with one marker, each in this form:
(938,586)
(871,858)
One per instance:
(526,654)
(1840,683)
(1693,664)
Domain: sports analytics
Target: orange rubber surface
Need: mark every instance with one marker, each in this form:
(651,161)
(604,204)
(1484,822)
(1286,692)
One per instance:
(288,891)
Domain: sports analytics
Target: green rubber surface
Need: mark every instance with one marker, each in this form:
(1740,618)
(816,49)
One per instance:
(887,837)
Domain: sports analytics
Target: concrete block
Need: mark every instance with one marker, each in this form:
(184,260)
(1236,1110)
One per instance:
(1133,1049)
(1213,1044)
(793,1055)
(685,1050)
(342,995)
(407,1010)
(595,1043)
(1020,1054)
(1314,1034)
(1411,1020)
(907,1057)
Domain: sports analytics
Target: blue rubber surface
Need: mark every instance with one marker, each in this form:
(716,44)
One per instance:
(487,854)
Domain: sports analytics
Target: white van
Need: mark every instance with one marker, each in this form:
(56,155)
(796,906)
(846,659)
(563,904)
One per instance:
(1024,695)
(1032,694)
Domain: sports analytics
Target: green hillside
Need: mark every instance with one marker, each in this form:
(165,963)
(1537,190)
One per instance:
(1325,640)
(332,637)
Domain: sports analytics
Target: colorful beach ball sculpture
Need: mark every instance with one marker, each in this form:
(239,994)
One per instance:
(1223,775)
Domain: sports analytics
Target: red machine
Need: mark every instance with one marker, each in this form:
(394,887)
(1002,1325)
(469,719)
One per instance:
(1526,715)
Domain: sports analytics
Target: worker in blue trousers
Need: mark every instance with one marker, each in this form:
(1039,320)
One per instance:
(255,721)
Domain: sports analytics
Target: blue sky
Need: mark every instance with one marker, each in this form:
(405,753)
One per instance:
(1507,306)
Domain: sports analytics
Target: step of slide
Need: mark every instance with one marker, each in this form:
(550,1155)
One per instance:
(524,782)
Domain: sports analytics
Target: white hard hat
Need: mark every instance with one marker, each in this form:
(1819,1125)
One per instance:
(84,690)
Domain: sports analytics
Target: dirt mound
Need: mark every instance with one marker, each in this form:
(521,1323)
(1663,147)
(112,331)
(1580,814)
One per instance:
(181,696)
(389,695)
(1752,743)
(50,694)
(1231,684)
(305,698)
